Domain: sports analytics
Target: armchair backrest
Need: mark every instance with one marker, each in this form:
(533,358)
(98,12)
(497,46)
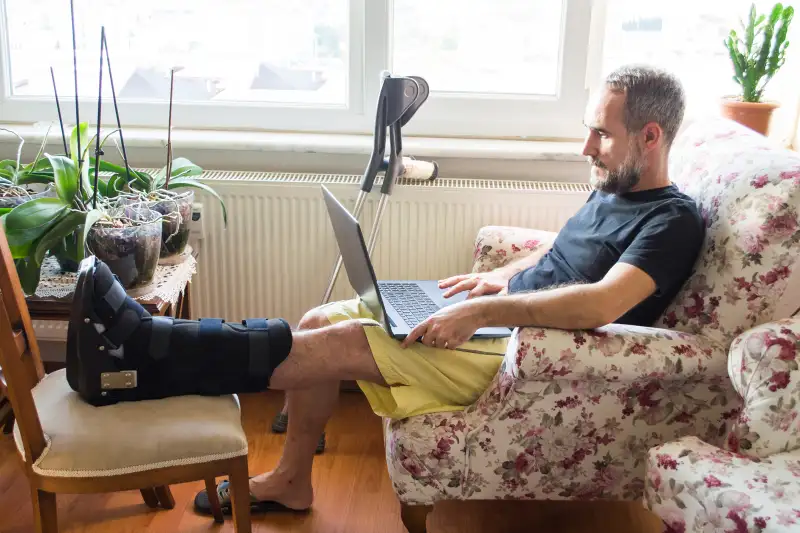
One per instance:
(748,190)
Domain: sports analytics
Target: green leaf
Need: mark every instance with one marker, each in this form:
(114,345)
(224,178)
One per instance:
(65,175)
(91,217)
(64,227)
(187,182)
(140,177)
(29,221)
(29,274)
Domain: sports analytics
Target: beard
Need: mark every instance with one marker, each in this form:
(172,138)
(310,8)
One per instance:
(622,179)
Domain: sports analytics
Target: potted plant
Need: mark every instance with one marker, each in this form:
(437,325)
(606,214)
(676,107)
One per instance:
(16,177)
(171,196)
(169,192)
(757,55)
(127,237)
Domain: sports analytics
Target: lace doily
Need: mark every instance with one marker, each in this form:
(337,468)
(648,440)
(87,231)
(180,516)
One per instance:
(168,282)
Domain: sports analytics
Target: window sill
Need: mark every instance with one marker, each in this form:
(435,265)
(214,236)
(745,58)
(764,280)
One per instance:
(243,150)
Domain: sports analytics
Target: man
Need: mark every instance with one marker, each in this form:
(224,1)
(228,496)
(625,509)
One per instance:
(621,258)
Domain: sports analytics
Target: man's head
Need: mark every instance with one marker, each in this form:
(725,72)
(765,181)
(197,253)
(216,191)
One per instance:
(632,123)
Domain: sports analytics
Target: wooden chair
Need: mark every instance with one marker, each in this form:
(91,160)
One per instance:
(70,446)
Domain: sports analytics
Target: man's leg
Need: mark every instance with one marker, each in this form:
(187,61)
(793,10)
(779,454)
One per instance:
(310,408)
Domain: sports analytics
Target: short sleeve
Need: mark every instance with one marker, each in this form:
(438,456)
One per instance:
(666,248)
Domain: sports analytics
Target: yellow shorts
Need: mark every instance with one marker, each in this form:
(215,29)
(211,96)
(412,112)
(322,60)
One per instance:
(421,379)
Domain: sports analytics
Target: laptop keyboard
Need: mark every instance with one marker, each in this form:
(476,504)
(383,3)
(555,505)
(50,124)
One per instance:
(409,300)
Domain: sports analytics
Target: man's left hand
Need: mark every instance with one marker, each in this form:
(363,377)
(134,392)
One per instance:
(449,327)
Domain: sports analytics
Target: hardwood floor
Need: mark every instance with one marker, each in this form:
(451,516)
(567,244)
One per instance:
(352,489)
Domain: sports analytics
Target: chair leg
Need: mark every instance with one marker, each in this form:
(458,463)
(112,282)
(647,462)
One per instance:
(240,495)
(213,499)
(415,517)
(45,517)
(165,497)
(8,425)
(149,497)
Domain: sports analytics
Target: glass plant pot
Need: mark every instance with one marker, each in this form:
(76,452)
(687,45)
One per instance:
(130,246)
(12,196)
(175,207)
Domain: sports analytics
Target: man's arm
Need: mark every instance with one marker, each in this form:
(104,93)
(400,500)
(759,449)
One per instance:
(582,306)
(571,307)
(495,281)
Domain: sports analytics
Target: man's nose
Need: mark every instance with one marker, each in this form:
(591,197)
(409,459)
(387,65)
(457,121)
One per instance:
(590,146)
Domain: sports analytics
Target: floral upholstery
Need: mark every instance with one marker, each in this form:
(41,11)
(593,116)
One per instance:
(573,414)
(748,191)
(753,484)
(763,367)
(695,487)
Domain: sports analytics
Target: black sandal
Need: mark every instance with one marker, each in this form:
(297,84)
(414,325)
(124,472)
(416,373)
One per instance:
(203,506)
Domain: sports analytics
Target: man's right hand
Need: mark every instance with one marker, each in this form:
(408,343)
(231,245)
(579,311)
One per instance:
(480,284)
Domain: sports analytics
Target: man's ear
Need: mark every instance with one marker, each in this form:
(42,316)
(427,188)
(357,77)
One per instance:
(652,135)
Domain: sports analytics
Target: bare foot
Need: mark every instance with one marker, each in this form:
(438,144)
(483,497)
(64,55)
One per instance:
(282,488)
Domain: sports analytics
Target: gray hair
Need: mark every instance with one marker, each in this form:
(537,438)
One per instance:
(651,95)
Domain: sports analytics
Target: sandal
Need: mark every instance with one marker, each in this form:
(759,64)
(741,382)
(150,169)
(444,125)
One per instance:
(203,506)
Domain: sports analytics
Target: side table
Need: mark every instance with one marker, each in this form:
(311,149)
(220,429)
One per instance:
(168,295)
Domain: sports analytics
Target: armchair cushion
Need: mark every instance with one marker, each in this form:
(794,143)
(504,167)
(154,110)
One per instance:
(764,369)
(693,486)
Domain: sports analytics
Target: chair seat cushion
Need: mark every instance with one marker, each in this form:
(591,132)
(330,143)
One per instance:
(88,441)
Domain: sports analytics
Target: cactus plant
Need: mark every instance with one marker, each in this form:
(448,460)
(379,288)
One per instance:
(760,51)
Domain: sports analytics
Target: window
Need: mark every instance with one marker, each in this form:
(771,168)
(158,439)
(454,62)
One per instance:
(496,68)
(686,38)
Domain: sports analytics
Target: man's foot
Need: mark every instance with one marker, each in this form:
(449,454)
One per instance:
(202,504)
(282,488)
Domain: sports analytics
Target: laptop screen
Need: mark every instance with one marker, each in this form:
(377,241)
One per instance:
(354,255)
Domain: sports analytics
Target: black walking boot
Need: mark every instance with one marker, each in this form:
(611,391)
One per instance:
(117,351)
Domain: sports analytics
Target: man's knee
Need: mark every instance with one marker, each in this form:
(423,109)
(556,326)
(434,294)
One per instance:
(314,319)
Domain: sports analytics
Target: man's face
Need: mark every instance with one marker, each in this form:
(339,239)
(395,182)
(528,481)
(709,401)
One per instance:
(616,156)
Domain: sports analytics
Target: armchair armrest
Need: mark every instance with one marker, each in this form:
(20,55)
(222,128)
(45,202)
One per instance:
(763,367)
(615,352)
(496,246)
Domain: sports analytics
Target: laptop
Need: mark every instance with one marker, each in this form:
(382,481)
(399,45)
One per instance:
(398,305)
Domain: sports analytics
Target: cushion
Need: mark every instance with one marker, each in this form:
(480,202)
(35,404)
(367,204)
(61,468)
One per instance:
(748,191)
(88,441)
(693,486)
(764,366)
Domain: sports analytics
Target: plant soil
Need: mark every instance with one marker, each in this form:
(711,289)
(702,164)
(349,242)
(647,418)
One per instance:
(130,250)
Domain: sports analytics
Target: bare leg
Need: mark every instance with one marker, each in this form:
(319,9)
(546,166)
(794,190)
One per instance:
(321,358)
(331,353)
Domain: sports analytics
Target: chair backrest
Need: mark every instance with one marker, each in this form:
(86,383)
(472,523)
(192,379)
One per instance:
(19,355)
(748,190)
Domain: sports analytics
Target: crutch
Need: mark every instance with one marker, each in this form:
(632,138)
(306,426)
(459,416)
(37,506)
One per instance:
(399,100)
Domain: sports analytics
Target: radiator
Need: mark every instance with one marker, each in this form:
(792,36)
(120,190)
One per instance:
(277,253)
(276,256)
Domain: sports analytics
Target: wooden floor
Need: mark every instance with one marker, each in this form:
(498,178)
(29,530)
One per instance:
(352,488)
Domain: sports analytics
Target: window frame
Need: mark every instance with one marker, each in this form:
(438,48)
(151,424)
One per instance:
(443,115)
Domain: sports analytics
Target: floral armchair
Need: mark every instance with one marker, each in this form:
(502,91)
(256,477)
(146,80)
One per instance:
(572,414)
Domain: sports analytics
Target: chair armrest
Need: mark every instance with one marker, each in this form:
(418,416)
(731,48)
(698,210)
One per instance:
(615,352)
(763,367)
(496,246)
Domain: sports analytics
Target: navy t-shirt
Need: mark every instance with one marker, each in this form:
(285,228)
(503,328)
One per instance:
(659,231)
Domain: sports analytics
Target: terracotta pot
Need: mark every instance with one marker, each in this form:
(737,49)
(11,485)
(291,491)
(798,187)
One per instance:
(754,115)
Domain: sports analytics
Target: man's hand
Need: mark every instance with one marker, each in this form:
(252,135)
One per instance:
(482,284)
(449,327)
